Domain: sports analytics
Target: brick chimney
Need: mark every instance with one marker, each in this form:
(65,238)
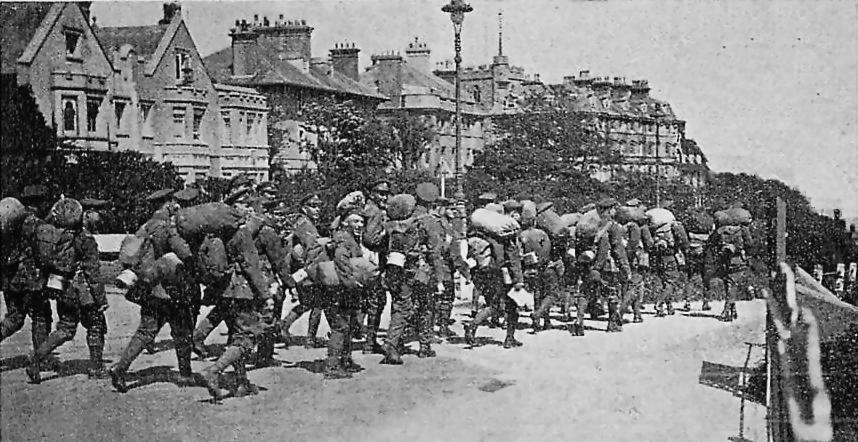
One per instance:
(243,53)
(620,89)
(640,89)
(296,37)
(389,68)
(417,54)
(344,58)
(170,10)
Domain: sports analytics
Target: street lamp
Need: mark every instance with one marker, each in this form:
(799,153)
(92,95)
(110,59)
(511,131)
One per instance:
(657,115)
(457,10)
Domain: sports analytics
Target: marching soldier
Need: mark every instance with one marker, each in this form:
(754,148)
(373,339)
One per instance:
(376,241)
(415,258)
(543,258)
(167,302)
(611,265)
(494,281)
(637,241)
(80,297)
(23,279)
(667,257)
(700,259)
(446,214)
(305,249)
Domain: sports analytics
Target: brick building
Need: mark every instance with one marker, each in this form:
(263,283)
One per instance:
(413,88)
(140,88)
(274,57)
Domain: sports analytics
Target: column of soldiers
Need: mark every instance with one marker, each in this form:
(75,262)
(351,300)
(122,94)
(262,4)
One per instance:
(407,246)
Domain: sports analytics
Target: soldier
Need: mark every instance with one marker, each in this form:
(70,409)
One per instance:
(305,249)
(80,298)
(731,245)
(502,273)
(345,298)
(414,261)
(700,259)
(611,265)
(453,237)
(667,258)
(23,279)
(172,302)
(376,241)
(637,241)
(543,258)
(93,220)
(187,197)
(239,300)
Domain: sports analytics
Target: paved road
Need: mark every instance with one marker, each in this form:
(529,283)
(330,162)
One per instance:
(667,379)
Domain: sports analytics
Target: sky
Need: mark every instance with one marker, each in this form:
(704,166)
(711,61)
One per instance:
(769,88)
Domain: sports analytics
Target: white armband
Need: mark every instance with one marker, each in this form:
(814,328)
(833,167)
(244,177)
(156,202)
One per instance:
(396,258)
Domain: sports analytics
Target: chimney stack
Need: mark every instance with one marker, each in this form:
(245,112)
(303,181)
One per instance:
(417,54)
(640,89)
(170,10)
(344,59)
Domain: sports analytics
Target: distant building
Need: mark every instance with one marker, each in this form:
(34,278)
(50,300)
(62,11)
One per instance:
(141,88)
(414,89)
(52,47)
(275,58)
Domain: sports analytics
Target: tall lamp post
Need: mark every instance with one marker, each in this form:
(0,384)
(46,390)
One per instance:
(657,115)
(457,10)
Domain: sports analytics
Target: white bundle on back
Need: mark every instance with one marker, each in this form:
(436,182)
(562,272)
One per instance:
(494,223)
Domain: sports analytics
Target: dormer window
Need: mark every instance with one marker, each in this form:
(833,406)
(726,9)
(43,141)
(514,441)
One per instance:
(73,43)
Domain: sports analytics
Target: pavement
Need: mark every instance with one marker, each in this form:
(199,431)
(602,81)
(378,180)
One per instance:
(667,379)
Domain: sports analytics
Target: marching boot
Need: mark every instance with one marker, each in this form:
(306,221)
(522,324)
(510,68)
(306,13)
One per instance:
(728,312)
(96,363)
(334,370)
(34,369)
(40,331)
(426,351)
(211,374)
(510,340)
(371,345)
(313,328)
(186,374)
(670,310)
(659,310)
(265,351)
(120,368)
(706,306)
(198,339)
(470,333)
(576,329)
(636,312)
(243,386)
(285,324)
(445,332)
(615,321)
(391,354)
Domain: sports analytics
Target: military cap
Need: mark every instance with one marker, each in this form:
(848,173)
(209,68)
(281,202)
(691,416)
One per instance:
(427,192)
(634,202)
(382,185)
(36,191)
(488,197)
(93,203)
(511,205)
(240,180)
(187,195)
(159,195)
(607,203)
(542,207)
(311,197)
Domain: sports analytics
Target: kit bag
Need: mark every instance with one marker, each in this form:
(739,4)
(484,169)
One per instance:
(549,221)
(660,216)
(208,219)
(493,223)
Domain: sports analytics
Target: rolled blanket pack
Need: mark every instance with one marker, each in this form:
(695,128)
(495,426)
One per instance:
(735,216)
(494,223)
(659,216)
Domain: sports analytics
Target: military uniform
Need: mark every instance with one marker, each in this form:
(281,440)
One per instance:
(731,267)
(344,301)
(412,281)
(666,263)
(375,296)
(700,260)
(23,283)
(543,271)
(81,301)
(453,261)
(178,308)
(276,265)
(613,269)
(304,247)
(241,296)
(490,282)
(638,264)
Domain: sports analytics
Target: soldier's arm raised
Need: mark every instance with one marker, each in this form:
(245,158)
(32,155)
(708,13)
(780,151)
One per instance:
(243,250)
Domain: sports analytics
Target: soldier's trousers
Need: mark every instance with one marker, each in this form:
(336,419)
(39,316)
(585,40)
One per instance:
(311,299)
(209,322)
(490,284)
(19,305)
(339,314)
(409,297)
(153,315)
(546,288)
(665,290)
(71,314)
(444,304)
(375,299)
(634,293)
(245,324)
(698,266)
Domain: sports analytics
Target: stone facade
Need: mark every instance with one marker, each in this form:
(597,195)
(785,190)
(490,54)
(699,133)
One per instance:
(413,88)
(141,88)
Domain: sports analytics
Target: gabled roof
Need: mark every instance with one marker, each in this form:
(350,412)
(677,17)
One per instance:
(411,76)
(149,42)
(271,70)
(23,28)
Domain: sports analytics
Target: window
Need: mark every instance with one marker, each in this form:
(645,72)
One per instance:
(250,117)
(69,114)
(179,123)
(72,43)
(146,118)
(226,126)
(92,105)
(183,69)
(119,110)
(198,119)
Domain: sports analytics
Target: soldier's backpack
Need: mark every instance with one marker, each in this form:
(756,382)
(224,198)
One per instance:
(536,246)
(212,260)
(731,241)
(211,218)
(55,248)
